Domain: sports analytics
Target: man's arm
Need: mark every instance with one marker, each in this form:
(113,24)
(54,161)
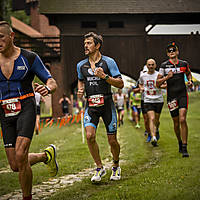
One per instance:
(117,82)
(44,90)
(81,87)
(161,79)
(189,77)
(68,100)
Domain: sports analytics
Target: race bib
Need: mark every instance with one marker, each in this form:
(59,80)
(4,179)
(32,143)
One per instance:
(96,100)
(172,105)
(11,107)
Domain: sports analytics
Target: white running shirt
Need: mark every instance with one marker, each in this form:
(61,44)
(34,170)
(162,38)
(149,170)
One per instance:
(120,101)
(37,98)
(152,94)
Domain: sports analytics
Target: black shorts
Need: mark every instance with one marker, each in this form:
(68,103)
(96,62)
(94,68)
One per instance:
(22,124)
(156,107)
(38,110)
(65,110)
(182,102)
(107,112)
(144,111)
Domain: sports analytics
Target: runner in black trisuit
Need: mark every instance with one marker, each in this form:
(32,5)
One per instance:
(96,74)
(172,71)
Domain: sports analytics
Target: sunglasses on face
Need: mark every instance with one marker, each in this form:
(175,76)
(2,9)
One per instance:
(171,50)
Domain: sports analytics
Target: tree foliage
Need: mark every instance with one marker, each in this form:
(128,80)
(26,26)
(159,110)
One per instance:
(6,11)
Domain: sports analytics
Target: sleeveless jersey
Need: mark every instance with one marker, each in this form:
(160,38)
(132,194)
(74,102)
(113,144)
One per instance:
(26,66)
(93,84)
(65,104)
(175,85)
(152,94)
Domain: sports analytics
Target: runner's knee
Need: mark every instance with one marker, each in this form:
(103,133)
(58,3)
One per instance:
(90,137)
(14,167)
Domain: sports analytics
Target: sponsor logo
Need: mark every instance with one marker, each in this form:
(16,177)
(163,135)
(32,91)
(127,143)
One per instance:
(21,67)
(87,66)
(90,71)
(169,66)
(87,119)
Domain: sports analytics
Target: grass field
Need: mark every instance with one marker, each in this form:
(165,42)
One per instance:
(147,173)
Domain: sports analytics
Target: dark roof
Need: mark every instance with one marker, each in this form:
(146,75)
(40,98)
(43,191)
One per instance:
(119,6)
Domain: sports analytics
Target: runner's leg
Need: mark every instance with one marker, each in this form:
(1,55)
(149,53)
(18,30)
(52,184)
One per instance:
(92,145)
(115,148)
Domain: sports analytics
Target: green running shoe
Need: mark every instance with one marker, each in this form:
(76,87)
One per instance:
(51,160)
(116,174)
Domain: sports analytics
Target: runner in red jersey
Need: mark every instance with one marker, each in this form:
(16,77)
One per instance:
(172,71)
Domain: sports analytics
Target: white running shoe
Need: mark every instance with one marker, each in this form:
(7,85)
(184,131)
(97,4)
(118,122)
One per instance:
(100,172)
(116,174)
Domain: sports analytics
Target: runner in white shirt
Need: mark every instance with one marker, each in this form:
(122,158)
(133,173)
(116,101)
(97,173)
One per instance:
(153,99)
(144,112)
(119,101)
(38,100)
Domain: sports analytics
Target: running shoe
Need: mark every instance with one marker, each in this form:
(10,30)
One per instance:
(154,141)
(148,138)
(116,174)
(51,160)
(157,134)
(145,133)
(184,151)
(137,126)
(100,172)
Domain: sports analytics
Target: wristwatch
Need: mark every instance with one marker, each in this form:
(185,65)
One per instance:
(48,89)
(106,77)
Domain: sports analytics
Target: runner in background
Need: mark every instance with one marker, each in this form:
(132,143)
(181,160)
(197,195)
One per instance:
(120,99)
(65,101)
(172,71)
(38,100)
(135,101)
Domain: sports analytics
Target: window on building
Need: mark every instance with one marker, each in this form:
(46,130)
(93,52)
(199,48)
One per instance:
(116,24)
(88,24)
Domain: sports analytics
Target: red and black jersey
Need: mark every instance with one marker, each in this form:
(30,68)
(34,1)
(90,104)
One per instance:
(175,85)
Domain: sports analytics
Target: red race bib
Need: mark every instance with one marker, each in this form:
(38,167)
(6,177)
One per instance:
(11,107)
(172,105)
(96,100)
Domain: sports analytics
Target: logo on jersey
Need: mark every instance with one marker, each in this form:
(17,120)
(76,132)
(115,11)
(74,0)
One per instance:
(21,67)
(114,125)
(86,66)
(150,84)
(87,118)
(90,71)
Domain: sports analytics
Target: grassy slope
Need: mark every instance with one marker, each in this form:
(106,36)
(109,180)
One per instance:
(147,172)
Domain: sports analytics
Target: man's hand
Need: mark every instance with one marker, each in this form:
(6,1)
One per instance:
(190,83)
(80,92)
(41,89)
(99,73)
(170,74)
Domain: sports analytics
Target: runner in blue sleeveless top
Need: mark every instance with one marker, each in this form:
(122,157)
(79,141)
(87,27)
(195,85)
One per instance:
(18,108)
(96,74)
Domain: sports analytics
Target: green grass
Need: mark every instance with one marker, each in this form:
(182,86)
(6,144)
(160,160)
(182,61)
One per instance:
(147,173)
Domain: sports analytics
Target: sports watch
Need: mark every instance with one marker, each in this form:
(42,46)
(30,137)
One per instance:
(106,77)
(48,89)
